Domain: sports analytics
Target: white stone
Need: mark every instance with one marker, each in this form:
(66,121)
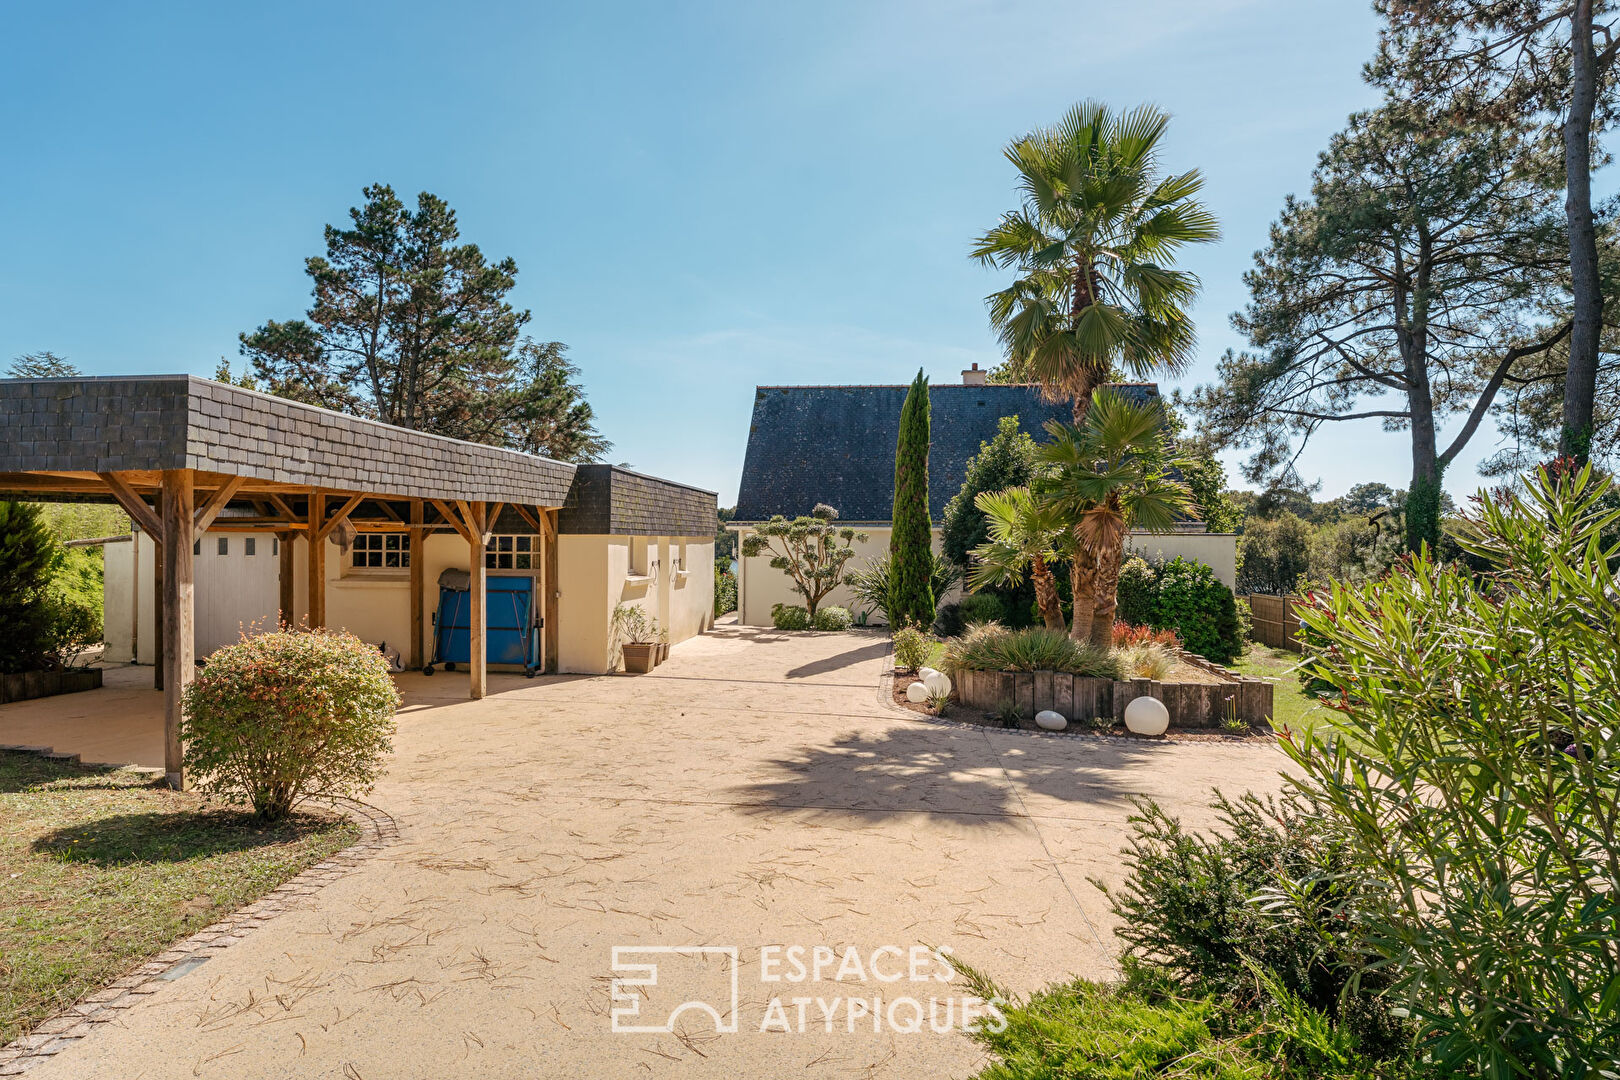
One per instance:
(938,683)
(1050,721)
(1147,716)
(924,672)
(917,693)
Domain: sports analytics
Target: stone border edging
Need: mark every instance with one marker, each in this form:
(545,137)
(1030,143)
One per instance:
(65,1028)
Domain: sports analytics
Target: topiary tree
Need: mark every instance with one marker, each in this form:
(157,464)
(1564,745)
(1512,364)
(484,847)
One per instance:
(277,718)
(911,539)
(808,550)
(29,555)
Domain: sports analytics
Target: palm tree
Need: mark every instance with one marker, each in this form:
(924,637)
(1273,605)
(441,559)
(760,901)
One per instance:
(1025,537)
(1092,245)
(1109,476)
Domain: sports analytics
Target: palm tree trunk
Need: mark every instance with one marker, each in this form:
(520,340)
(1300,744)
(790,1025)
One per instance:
(1083,585)
(1046,594)
(1102,618)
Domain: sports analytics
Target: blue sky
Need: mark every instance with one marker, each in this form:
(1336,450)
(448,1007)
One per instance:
(700,197)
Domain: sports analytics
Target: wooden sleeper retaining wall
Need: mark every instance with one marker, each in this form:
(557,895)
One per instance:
(38,684)
(1080,698)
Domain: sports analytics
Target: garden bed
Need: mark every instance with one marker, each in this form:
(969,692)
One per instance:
(27,685)
(1212,698)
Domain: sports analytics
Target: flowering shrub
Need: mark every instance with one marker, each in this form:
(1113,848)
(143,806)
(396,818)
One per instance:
(1126,635)
(277,718)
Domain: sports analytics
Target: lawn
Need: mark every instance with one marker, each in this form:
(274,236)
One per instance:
(100,870)
(1291,706)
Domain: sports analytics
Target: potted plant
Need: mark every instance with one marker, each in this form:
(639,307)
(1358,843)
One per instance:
(634,631)
(663,644)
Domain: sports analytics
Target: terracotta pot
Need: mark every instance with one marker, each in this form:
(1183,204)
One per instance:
(640,658)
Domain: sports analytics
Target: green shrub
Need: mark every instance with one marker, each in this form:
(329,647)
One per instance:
(911,648)
(991,647)
(983,607)
(833,618)
(29,558)
(1272,886)
(1474,764)
(870,584)
(725,591)
(1186,597)
(277,718)
(790,617)
(73,627)
(1138,591)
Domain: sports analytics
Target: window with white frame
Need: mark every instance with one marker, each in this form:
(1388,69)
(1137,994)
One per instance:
(511,552)
(380,551)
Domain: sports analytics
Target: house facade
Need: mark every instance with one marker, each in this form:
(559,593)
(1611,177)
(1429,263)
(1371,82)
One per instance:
(836,445)
(249,509)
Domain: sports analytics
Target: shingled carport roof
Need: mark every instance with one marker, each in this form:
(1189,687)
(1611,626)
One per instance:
(835,444)
(160,422)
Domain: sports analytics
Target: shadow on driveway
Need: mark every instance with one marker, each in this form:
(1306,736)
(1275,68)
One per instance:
(947,772)
(875,651)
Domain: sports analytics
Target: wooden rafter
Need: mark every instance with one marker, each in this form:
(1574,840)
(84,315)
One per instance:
(453,518)
(208,511)
(332,522)
(281,507)
(528,516)
(134,505)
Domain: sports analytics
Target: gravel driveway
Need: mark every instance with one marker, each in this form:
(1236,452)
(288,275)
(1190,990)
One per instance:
(753,792)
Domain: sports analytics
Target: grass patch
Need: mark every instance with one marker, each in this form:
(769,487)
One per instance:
(101,870)
(1293,708)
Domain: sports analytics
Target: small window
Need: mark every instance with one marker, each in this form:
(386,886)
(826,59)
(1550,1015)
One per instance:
(224,545)
(381,551)
(250,546)
(510,553)
(196,548)
(275,545)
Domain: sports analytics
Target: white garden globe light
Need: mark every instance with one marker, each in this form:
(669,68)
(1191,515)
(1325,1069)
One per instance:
(917,693)
(938,683)
(924,672)
(1147,716)
(1050,721)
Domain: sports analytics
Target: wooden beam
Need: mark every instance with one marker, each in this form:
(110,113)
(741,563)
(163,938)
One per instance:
(286,575)
(477,652)
(491,512)
(416,658)
(317,560)
(281,506)
(179,616)
(452,517)
(337,518)
(208,511)
(133,505)
(389,511)
(551,633)
(526,515)
(157,601)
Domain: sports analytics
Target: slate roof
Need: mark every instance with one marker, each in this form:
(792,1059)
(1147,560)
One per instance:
(835,444)
(607,500)
(154,422)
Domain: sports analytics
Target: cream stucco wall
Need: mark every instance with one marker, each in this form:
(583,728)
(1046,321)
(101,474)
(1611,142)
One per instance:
(234,591)
(760,587)
(597,575)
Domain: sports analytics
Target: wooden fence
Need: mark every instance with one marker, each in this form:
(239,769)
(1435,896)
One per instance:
(1272,621)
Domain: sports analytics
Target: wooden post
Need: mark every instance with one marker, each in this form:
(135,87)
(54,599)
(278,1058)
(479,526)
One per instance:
(286,576)
(476,652)
(549,638)
(179,612)
(157,596)
(415,657)
(317,560)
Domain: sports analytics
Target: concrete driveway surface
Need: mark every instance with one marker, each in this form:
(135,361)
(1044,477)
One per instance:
(753,794)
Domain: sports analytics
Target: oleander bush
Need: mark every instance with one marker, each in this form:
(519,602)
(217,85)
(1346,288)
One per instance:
(992,647)
(790,617)
(278,718)
(833,617)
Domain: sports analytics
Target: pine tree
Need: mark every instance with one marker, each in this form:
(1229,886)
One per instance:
(911,557)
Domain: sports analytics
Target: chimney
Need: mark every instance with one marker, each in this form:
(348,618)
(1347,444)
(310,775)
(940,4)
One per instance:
(974,377)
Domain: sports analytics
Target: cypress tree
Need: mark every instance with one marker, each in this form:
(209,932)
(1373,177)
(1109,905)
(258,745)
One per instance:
(911,553)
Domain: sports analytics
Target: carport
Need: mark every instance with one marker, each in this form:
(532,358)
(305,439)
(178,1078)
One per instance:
(175,451)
